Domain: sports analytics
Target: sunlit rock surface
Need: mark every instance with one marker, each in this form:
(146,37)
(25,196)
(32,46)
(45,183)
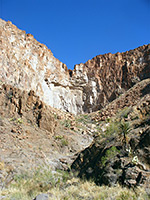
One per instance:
(30,65)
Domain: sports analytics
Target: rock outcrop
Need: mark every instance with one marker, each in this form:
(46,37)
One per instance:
(120,152)
(30,65)
(26,106)
(132,97)
(32,133)
(110,162)
(111,144)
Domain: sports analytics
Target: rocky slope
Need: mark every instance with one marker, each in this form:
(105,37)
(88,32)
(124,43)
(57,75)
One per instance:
(32,133)
(29,65)
(120,152)
(130,98)
(110,145)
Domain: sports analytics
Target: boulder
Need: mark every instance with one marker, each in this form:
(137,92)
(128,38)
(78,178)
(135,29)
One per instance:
(42,197)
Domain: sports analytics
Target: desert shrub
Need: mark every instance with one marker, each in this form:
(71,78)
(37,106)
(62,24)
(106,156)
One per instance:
(19,121)
(58,137)
(113,128)
(66,123)
(83,118)
(124,128)
(110,153)
(28,184)
(64,142)
(120,128)
(124,112)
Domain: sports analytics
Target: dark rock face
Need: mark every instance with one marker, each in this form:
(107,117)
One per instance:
(110,163)
(122,157)
(143,147)
(21,104)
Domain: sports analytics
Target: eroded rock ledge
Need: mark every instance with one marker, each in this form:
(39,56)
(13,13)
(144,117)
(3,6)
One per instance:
(30,65)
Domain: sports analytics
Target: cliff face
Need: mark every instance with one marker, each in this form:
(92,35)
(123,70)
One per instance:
(30,65)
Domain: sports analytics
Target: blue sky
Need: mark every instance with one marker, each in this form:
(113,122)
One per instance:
(78,30)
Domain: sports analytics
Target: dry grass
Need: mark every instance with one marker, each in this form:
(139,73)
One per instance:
(63,186)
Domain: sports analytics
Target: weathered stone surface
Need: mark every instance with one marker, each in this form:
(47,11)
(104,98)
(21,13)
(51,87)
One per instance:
(26,105)
(32,80)
(108,163)
(29,65)
(138,95)
(122,155)
(42,197)
(34,134)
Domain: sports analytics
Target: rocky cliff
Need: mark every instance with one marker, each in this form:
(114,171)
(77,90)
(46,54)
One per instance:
(110,145)
(30,65)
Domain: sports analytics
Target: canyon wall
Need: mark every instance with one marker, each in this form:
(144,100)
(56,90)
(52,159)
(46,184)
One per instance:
(27,64)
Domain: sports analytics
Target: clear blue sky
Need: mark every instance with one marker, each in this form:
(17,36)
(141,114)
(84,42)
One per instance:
(78,30)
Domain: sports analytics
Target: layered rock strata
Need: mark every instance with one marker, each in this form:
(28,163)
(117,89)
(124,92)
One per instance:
(26,106)
(30,65)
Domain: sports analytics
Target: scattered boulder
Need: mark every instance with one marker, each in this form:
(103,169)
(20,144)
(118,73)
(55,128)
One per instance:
(42,197)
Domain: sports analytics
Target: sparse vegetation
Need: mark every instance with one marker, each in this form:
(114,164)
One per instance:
(66,123)
(62,139)
(107,146)
(110,154)
(62,185)
(118,127)
(12,119)
(10,96)
(19,121)
(64,142)
(124,112)
(83,118)
(16,120)
(58,137)
(113,128)
(124,130)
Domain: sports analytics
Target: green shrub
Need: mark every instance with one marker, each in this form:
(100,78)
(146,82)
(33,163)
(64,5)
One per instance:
(28,184)
(64,142)
(124,112)
(83,118)
(124,128)
(19,121)
(113,128)
(66,123)
(110,153)
(58,137)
